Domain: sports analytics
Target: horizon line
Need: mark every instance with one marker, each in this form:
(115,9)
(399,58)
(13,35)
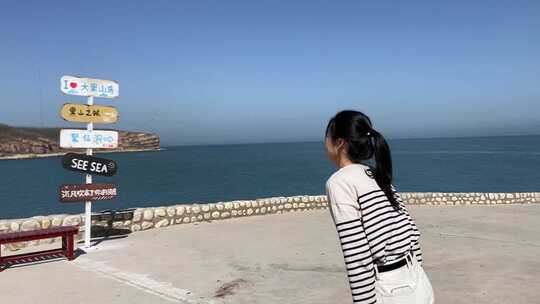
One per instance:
(320,141)
(286,141)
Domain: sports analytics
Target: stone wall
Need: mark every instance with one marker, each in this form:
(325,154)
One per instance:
(157,217)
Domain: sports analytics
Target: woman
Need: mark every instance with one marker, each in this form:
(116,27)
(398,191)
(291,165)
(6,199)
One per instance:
(379,238)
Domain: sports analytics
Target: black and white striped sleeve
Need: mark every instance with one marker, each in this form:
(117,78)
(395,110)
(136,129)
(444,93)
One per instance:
(346,214)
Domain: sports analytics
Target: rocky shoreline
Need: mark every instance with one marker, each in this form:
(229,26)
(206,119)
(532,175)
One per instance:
(26,143)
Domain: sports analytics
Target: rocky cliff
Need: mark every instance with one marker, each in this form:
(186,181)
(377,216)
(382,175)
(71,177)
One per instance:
(23,141)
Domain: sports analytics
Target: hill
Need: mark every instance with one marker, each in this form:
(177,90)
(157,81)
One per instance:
(27,142)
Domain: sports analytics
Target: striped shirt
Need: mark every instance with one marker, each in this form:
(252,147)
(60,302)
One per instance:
(370,229)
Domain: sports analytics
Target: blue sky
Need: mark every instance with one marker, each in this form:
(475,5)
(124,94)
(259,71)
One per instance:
(256,71)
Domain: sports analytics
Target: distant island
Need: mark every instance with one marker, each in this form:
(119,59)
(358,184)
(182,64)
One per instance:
(27,142)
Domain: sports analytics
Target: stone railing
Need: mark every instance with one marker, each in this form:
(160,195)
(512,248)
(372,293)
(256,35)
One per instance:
(157,217)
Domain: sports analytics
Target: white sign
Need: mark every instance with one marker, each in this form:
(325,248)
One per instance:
(89,87)
(76,138)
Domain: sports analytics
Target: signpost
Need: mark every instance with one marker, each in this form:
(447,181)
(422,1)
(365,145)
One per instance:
(89,164)
(89,87)
(89,139)
(84,113)
(76,138)
(70,193)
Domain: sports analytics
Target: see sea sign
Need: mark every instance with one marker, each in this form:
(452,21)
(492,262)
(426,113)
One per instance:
(89,164)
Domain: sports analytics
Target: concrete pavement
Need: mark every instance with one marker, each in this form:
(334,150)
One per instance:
(473,254)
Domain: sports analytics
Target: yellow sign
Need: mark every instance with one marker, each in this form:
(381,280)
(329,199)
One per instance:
(84,113)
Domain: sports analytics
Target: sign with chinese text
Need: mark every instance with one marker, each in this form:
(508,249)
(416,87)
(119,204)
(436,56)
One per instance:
(69,193)
(89,164)
(89,87)
(84,113)
(77,138)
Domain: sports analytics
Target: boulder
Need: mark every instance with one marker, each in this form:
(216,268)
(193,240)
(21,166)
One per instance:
(180,210)
(162,223)
(30,225)
(160,212)
(171,212)
(148,214)
(72,220)
(147,225)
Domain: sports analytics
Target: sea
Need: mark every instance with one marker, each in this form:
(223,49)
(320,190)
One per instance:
(214,173)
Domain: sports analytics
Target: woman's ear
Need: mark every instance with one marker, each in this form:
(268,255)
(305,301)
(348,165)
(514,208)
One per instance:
(340,144)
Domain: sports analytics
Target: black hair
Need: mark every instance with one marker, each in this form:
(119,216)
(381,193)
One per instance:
(364,143)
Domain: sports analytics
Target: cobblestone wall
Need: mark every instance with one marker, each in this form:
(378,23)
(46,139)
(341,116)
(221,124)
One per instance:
(157,217)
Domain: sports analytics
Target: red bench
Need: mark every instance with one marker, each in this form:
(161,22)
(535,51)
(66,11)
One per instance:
(67,234)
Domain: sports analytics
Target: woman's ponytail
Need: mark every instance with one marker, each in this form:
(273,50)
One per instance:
(383,165)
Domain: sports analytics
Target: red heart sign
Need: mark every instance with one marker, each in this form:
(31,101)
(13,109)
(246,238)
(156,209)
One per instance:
(73,85)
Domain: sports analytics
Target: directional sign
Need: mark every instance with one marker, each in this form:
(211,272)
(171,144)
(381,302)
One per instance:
(89,164)
(84,113)
(89,87)
(70,193)
(76,138)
